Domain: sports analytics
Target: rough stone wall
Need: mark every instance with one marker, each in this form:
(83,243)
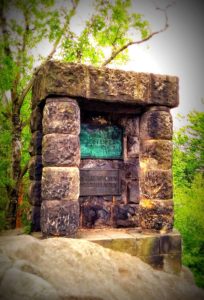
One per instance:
(156,188)
(35,166)
(121,210)
(60,175)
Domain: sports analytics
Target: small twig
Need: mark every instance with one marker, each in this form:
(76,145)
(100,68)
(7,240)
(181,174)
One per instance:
(114,54)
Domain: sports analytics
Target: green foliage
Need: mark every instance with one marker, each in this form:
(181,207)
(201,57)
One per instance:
(111,27)
(189,192)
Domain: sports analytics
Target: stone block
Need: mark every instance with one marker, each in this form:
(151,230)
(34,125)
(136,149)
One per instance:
(110,85)
(130,169)
(133,192)
(156,125)
(35,167)
(170,244)
(61,149)
(130,126)
(35,218)
(60,183)
(61,115)
(125,215)
(133,146)
(95,212)
(156,154)
(59,218)
(36,119)
(165,87)
(156,215)
(156,184)
(34,193)
(172,263)
(56,77)
(155,261)
(35,147)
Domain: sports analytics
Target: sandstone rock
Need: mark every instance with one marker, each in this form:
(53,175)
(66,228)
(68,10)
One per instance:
(156,125)
(34,193)
(76,80)
(61,149)
(61,268)
(35,167)
(36,119)
(156,154)
(36,143)
(60,183)
(61,115)
(59,218)
(156,214)
(18,284)
(156,184)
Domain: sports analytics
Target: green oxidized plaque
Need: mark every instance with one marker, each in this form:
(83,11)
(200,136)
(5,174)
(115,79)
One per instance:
(101,141)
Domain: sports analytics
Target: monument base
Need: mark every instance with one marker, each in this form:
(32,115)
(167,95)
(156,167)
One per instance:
(160,250)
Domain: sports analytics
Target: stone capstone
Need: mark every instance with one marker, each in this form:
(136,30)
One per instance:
(59,218)
(77,80)
(61,149)
(61,115)
(60,183)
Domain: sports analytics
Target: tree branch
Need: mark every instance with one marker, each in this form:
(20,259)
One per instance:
(23,171)
(51,54)
(115,53)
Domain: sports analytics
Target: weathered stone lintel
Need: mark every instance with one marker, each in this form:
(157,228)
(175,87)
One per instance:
(76,80)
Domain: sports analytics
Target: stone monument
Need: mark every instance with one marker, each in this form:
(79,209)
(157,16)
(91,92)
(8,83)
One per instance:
(101,149)
(101,157)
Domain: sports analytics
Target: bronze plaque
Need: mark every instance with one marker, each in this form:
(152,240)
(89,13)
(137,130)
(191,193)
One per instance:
(101,141)
(96,182)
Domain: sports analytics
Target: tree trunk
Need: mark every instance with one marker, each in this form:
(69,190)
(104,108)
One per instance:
(16,167)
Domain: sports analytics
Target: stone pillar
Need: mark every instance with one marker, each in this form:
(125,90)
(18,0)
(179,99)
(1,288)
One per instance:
(35,166)
(156,192)
(60,176)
